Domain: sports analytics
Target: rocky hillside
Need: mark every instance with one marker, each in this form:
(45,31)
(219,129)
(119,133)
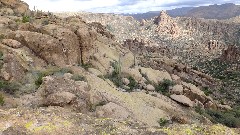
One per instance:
(63,74)
(224,11)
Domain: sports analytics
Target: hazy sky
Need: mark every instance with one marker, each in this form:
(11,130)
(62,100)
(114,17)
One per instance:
(118,6)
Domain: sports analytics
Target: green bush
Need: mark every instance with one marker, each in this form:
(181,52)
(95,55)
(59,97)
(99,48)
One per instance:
(45,22)
(78,78)
(8,87)
(163,122)
(1,37)
(1,100)
(1,55)
(206,91)
(25,19)
(133,84)
(229,118)
(48,72)
(115,76)
(199,110)
(163,87)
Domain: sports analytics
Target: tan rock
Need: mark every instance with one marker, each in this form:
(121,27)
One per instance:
(61,98)
(12,43)
(112,110)
(193,92)
(63,91)
(210,105)
(155,76)
(95,71)
(182,99)
(149,87)
(177,89)
(224,107)
(125,81)
(176,79)
(133,72)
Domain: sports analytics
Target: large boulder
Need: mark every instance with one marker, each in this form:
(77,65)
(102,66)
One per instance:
(11,43)
(155,76)
(182,99)
(177,89)
(12,69)
(68,40)
(44,46)
(63,91)
(193,92)
(113,110)
(133,72)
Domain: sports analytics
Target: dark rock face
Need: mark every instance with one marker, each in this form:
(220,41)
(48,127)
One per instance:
(231,54)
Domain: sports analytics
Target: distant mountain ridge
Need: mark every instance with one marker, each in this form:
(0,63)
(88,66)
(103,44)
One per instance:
(224,11)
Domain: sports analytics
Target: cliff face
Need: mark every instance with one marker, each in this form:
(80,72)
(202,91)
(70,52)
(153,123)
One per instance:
(13,7)
(231,54)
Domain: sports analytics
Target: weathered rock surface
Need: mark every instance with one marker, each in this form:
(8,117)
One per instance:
(63,91)
(192,92)
(177,89)
(231,54)
(155,76)
(182,99)
(113,110)
(166,25)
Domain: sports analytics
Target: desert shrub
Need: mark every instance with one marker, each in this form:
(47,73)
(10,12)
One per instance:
(163,87)
(9,87)
(1,100)
(163,122)
(93,107)
(78,78)
(206,91)
(1,55)
(1,37)
(115,76)
(45,22)
(48,72)
(229,118)
(133,84)
(86,66)
(145,76)
(25,19)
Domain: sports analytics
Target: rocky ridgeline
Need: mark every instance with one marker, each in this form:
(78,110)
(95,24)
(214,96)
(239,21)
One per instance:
(189,39)
(231,54)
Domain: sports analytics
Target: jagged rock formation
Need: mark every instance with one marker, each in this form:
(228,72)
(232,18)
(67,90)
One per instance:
(166,25)
(192,36)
